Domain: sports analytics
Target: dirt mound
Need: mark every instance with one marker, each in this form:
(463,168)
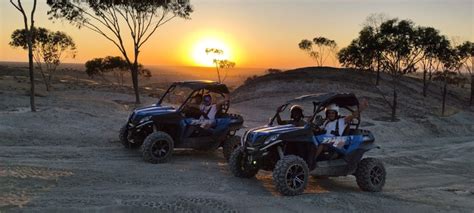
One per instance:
(417,115)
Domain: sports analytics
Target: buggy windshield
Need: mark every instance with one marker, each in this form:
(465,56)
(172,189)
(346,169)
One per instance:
(179,95)
(176,95)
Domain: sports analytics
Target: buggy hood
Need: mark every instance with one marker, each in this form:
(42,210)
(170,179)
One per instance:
(260,133)
(152,110)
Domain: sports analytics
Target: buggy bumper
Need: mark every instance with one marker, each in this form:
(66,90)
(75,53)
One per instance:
(260,151)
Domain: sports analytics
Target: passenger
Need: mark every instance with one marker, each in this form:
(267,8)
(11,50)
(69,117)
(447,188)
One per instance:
(296,115)
(336,125)
(207,114)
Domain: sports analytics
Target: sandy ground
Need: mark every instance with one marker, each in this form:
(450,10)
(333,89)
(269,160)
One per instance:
(67,157)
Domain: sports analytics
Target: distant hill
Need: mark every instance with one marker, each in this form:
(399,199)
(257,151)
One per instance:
(307,80)
(168,73)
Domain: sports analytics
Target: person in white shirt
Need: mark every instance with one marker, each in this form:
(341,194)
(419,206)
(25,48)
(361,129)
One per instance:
(208,112)
(335,125)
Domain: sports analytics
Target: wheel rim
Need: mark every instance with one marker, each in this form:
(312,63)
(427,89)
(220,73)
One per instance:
(160,148)
(376,175)
(295,177)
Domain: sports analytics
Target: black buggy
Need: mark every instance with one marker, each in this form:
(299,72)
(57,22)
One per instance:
(289,150)
(161,128)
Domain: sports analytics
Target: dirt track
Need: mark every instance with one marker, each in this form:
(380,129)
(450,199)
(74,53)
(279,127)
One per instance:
(67,158)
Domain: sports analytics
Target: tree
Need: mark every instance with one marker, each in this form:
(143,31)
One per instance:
(146,73)
(274,71)
(220,64)
(466,54)
(95,67)
(18,5)
(400,52)
(49,48)
(117,65)
(351,56)
(112,64)
(432,44)
(250,79)
(140,19)
(323,48)
(373,22)
(362,51)
(451,59)
(307,46)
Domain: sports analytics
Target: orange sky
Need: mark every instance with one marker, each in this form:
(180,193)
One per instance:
(261,33)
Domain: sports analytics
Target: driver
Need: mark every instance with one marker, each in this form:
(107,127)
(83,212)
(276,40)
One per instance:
(296,115)
(208,112)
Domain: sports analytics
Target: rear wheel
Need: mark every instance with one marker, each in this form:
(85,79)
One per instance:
(158,147)
(231,144)
(239,166)
(370,175)
(291,175)
(123,136)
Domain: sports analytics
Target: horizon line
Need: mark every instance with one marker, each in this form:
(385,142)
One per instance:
(158,65)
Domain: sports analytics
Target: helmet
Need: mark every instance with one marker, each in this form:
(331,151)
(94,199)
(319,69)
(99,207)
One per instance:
(332,107)
(296,109)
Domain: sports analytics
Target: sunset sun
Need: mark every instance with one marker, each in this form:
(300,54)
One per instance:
(200,57)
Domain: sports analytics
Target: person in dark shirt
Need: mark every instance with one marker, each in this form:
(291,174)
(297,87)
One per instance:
(296,115)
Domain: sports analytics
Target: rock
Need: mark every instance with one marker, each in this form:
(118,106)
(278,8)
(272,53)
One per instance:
(463,192)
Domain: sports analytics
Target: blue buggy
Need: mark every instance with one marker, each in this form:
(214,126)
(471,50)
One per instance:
(289,150)
(161,128)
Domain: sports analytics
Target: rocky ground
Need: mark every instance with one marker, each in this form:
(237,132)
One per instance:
(67,157)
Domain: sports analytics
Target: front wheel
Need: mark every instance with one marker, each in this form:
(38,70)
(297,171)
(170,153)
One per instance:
(370,175)
(239,166)
(158,147)
(231,144)
(290,175)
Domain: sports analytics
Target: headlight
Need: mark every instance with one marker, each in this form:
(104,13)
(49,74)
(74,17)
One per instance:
(271,139)
(144,119)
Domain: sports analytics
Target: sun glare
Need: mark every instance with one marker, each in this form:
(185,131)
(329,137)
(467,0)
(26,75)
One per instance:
(199,51)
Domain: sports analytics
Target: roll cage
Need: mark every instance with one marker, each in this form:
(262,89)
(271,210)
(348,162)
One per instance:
(198,87)
(320,101)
